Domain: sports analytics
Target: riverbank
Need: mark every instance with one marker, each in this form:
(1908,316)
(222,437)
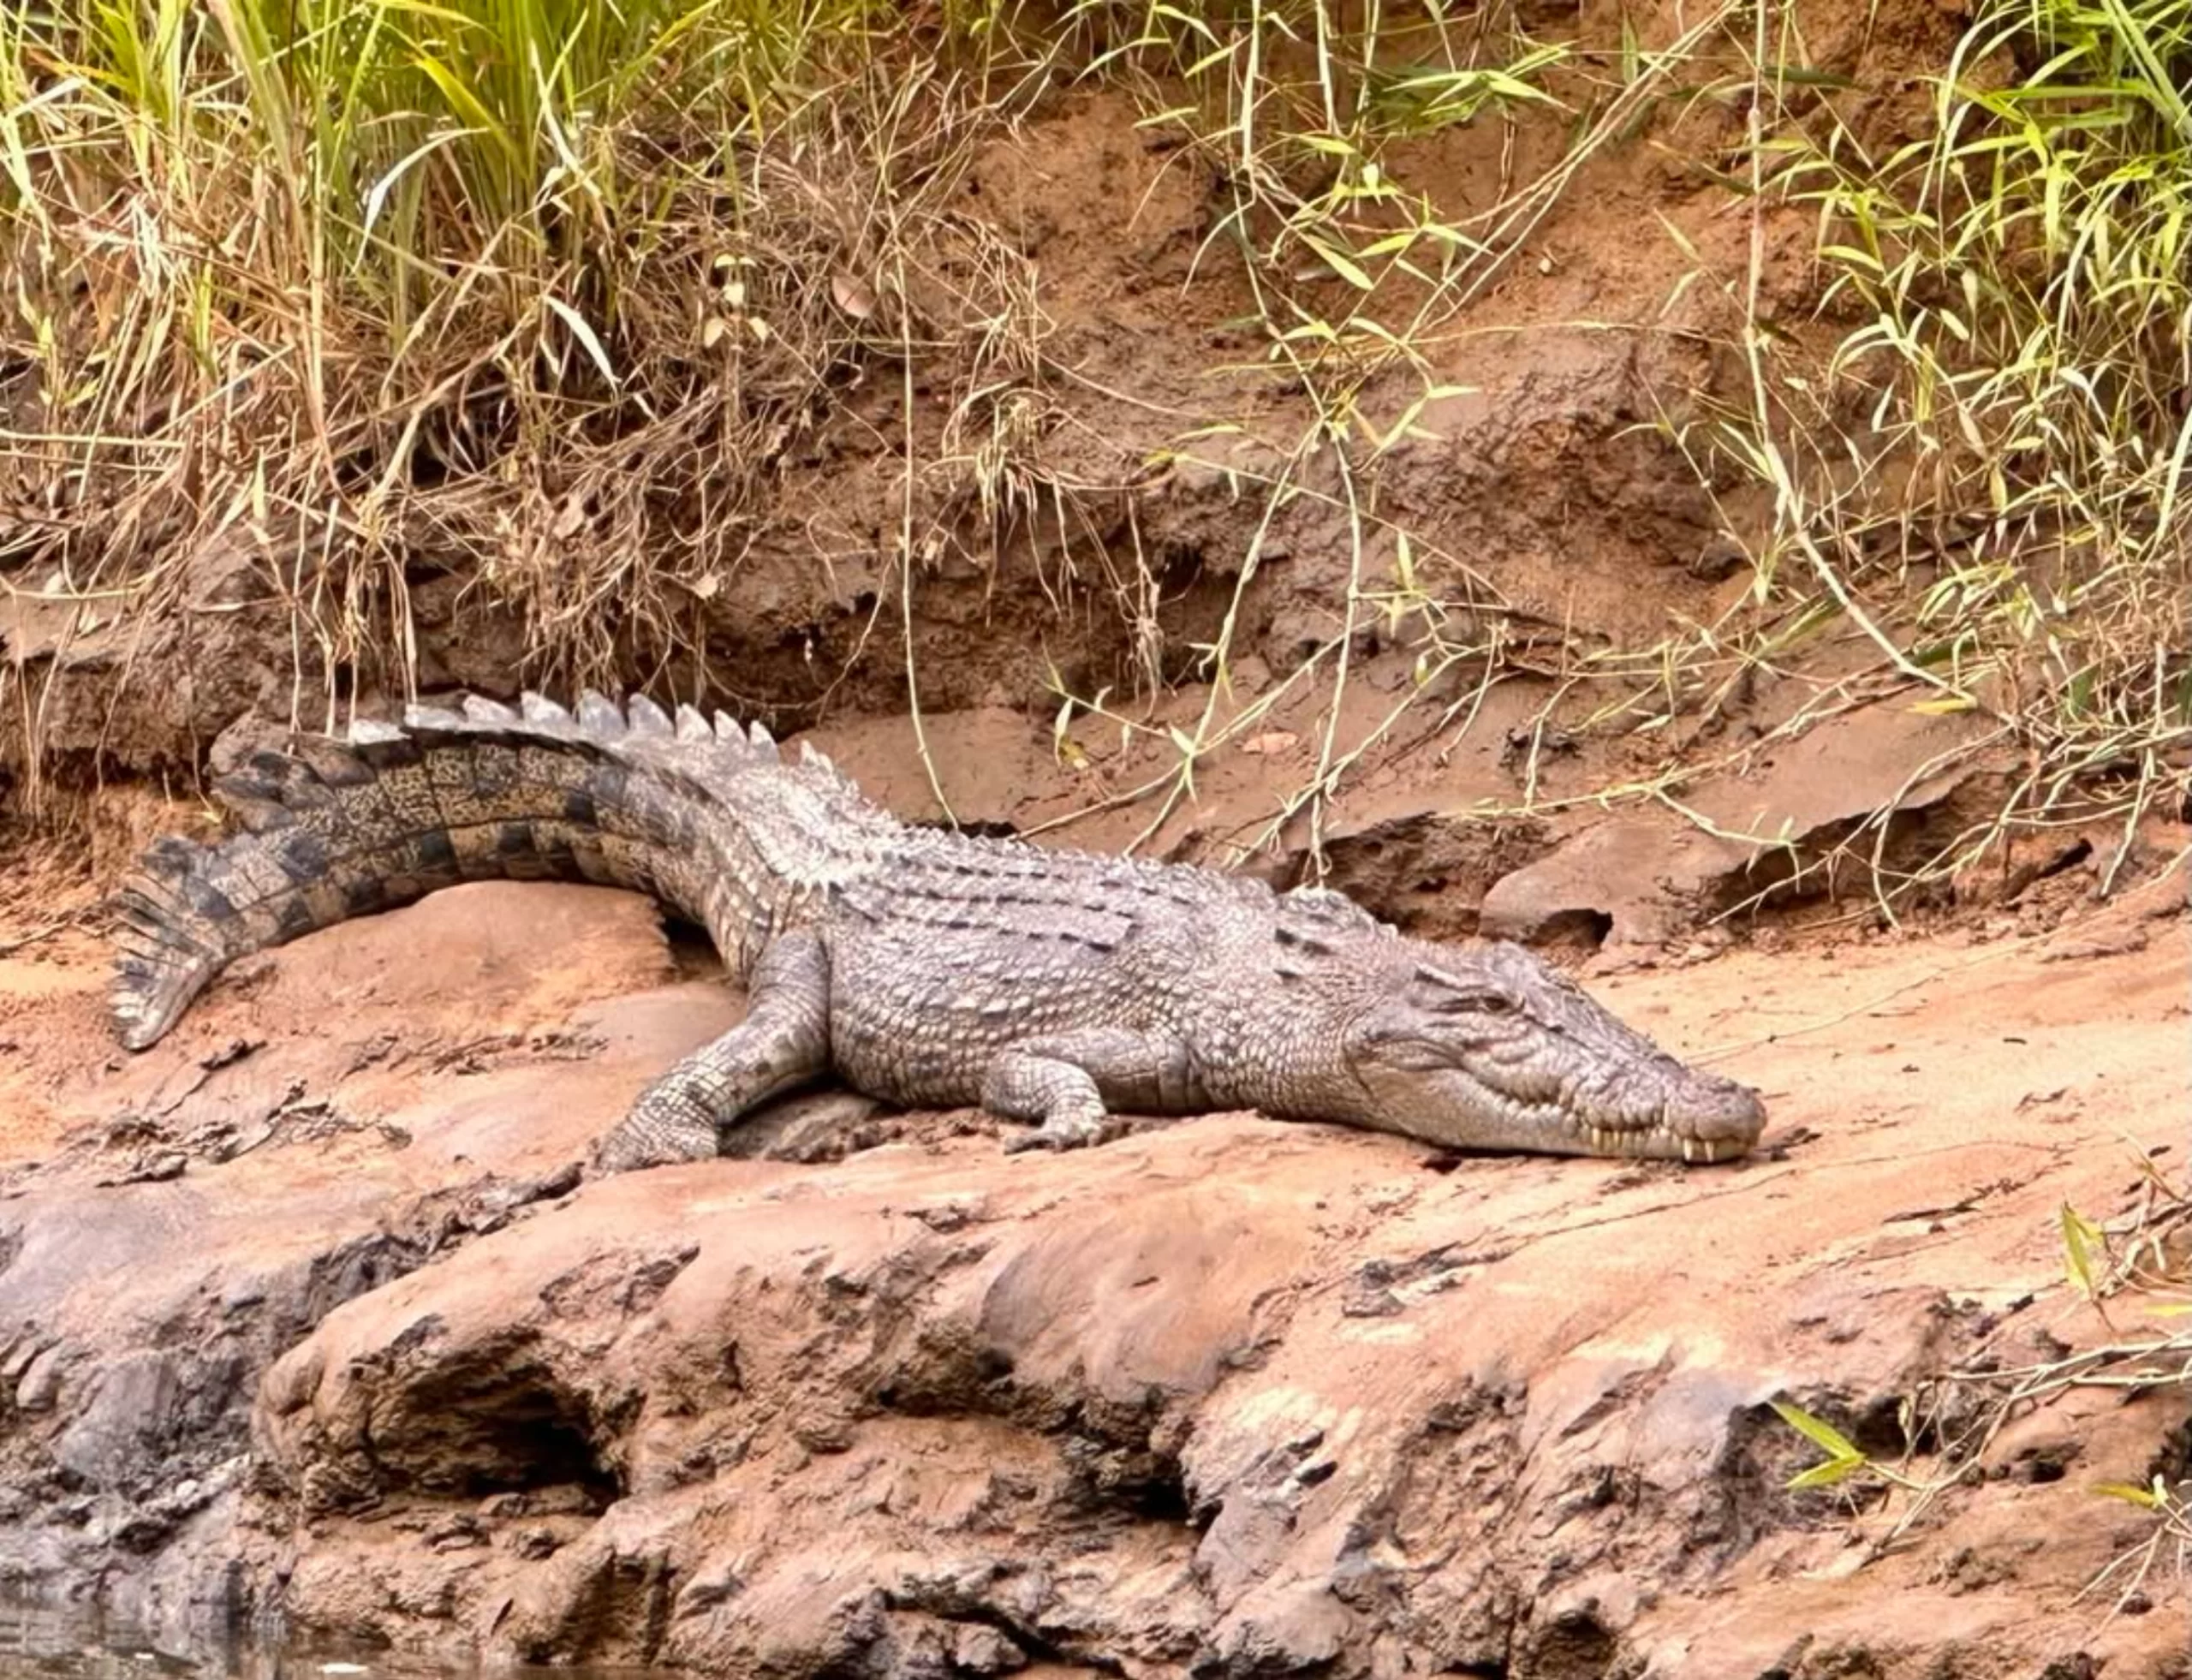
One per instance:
(307,1309)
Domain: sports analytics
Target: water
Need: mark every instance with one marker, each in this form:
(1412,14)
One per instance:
(46,1639)
(53,1640)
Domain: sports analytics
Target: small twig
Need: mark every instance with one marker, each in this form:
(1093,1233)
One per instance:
(45,930)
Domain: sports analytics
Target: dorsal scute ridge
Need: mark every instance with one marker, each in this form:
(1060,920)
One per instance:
(643,717)
(599,716)
(537,709)
(636,730)
(597,728)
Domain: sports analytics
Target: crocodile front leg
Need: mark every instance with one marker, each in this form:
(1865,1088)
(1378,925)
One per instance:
(1063,1081)
(784,1041)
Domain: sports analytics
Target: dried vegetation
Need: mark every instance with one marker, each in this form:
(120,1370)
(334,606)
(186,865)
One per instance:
(547,294)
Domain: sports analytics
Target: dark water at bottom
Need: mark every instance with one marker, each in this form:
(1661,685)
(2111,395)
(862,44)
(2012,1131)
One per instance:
(48,1639)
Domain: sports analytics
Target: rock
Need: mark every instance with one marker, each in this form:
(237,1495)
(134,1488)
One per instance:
(1426,871)
(39,1386)
(1622,882)
(1773,834)
(123,1425)
(981,1651)
(157,1302)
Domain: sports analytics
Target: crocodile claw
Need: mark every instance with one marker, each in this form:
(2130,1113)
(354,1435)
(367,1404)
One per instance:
(1058,1133)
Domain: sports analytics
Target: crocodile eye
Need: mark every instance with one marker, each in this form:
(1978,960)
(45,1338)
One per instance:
(1474,1002)
(1440,992)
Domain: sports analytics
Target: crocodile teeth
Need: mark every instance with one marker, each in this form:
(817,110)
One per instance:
(1655,1142)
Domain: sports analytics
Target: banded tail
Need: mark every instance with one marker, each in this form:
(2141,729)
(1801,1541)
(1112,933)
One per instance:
(620,795)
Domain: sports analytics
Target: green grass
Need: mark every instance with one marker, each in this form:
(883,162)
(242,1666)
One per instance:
(540,290)
(1983,466)
(543,292)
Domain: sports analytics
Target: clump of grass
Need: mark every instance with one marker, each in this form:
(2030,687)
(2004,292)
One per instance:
(540,292)
(1983,473)
(544,293)
(2141,1256)
(1353,273)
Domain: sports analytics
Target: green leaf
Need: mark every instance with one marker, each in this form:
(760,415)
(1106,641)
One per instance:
(2081,1237)
(1343,266)
(577,323)
(1820,1432)
(1802,75)
(1843,1458)
(1825,1474)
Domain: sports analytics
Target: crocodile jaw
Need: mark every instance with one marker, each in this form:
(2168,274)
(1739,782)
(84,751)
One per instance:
(1658,1110)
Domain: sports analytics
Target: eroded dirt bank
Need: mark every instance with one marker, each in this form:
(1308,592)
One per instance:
(304,1309)
(307,1311)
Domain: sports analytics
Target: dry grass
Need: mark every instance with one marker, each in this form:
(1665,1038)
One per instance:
(544,296)
(1979,469)
(2141,1262)
(540,294)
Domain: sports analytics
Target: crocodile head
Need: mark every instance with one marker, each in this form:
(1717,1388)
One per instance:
(1487,1047)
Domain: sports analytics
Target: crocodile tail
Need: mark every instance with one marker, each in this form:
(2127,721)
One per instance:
(335,829)
(172,939)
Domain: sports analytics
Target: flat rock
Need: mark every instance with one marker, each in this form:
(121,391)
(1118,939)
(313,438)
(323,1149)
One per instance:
(1648,878)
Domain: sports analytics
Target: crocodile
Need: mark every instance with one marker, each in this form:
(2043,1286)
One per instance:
(922,966)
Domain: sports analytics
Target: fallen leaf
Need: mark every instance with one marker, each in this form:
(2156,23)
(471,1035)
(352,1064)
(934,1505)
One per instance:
(851,296)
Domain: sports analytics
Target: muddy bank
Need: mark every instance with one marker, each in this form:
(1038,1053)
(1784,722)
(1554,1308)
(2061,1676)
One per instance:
(307,1314)
(304,1309)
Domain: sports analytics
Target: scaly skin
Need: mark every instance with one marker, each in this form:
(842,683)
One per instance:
(923,968)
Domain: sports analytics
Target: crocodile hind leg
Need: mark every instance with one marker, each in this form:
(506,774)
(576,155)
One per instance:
(1063,1081)
(783,1042)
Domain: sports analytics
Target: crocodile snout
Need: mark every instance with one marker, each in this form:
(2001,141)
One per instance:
(1663,1110)
(1705,1105)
